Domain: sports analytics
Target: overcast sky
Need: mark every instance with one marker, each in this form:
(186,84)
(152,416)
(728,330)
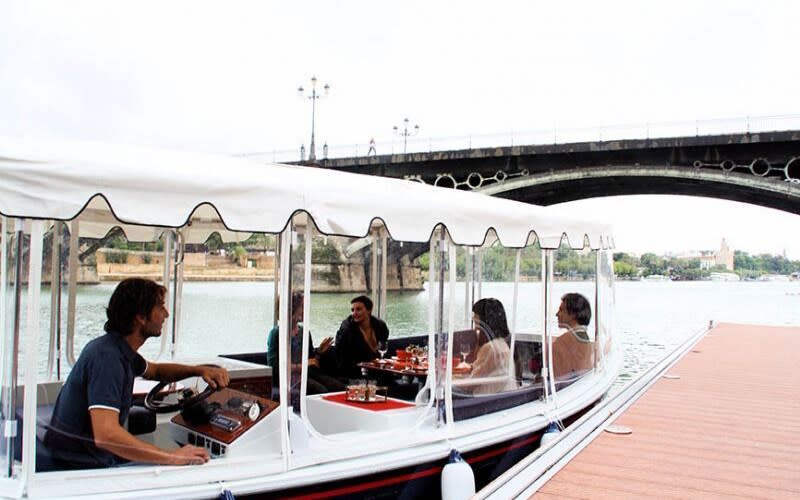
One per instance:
(222,77)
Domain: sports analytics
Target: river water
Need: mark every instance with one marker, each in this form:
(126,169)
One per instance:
(651,318)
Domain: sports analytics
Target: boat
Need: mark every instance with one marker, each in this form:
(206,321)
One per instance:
(716,276)
(774,277)
(298,444)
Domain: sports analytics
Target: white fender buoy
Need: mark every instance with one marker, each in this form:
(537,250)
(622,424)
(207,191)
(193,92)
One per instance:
(550,434)
(458,480)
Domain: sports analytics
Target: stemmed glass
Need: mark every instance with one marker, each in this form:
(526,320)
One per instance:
(382,348)
(464,350)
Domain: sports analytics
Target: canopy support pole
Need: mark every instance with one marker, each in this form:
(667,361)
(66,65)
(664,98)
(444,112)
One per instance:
(451,316)
(442,338)
(12,326)
(382,285)
(177,296)
(431,282)
(276,288)
(166,281)
(468,266)
(72,289)
(479,295)
(31,348)
(306,318)
(597,267)
(548,263)
(514,303)
(53,354)
(284,354)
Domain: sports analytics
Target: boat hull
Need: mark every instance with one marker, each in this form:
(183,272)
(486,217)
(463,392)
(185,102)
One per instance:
(422,480)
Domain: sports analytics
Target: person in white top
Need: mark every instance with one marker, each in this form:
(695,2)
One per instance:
(494,353)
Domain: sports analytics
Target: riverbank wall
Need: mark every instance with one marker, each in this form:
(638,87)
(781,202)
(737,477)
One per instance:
(116,265)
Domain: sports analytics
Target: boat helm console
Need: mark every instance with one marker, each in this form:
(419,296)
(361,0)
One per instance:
(228,421)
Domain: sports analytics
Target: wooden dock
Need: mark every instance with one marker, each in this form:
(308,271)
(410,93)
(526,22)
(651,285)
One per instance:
(723,422)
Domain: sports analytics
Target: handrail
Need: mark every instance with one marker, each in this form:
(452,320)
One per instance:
(554,135)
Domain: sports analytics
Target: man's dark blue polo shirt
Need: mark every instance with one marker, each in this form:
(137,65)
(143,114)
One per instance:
(102,378)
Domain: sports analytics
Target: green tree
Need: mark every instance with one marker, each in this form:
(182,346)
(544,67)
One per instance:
(653,264)
(625,270)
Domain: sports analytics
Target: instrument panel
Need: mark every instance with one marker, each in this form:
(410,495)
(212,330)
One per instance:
(224,422)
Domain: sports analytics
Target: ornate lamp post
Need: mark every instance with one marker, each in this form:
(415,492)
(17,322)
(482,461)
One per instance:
(313,95)
(406,133)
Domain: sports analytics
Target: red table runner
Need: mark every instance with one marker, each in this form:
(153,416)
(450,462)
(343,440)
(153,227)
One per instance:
(389,404)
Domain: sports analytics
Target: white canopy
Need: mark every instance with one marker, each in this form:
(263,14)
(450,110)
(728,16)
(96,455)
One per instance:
(150,187)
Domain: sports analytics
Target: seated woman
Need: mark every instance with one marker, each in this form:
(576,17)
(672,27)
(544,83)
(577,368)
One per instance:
(358,337)
(318,381)
(573,350)
(494,354)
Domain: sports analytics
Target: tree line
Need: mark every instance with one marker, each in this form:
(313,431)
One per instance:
(745,265)
(497,263)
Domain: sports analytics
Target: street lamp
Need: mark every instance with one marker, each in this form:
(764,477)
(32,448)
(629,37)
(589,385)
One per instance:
(313,96)
(406,133)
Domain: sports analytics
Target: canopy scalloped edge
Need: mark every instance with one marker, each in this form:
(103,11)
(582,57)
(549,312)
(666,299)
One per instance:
(198,193)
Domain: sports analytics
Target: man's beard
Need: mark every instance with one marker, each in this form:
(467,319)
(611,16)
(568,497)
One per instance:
(154,331)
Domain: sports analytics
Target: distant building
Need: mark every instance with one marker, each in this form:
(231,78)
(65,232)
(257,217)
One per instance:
(711,258)
(725,256)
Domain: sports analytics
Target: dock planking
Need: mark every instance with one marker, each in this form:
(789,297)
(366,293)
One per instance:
(729,426)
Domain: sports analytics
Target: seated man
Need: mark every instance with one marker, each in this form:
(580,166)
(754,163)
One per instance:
(573,351)
(358,337)
(318,380)
(86,429)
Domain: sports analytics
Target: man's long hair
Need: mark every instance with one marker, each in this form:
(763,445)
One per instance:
(578,306)
(132,296)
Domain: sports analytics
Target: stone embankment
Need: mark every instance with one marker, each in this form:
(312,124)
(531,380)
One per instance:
(116,265)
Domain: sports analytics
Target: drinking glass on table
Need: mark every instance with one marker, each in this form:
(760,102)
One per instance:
(382,348)
(465,349)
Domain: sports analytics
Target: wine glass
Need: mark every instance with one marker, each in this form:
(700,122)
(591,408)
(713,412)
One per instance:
(382,348)
(465,349)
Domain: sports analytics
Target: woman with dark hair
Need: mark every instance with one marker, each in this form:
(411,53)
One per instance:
(358,337)
(494,353)
(573,350)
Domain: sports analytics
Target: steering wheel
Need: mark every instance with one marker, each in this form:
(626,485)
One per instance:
(155,399)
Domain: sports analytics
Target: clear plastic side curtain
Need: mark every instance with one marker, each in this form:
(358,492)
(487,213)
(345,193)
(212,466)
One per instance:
(284,311)
(31,351)
(439,354)
(485,363)
(11,302)
(573,312)
(605,304)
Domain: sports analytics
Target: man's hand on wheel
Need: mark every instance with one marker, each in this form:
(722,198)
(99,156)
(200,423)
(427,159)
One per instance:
(215,376)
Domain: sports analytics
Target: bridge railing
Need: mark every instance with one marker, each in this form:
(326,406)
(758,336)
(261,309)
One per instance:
(655,130)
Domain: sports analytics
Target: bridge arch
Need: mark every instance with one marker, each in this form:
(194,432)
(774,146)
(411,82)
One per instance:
(600,181)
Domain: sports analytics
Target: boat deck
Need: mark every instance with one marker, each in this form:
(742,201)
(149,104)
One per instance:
(729,426)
